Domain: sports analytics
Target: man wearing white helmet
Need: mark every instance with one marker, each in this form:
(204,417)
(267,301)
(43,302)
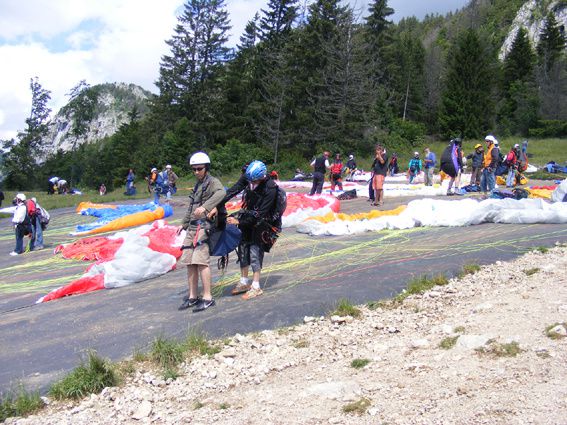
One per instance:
(171,181)
(206,195)
(491,159)
(21,222)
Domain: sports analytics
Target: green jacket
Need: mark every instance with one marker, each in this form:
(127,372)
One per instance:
(208,194)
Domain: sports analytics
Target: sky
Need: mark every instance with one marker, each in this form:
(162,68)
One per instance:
(65,41)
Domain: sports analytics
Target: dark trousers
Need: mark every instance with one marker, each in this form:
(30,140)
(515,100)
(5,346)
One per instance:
(318,179)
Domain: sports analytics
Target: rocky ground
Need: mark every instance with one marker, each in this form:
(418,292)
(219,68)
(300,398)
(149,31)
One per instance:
(304,374)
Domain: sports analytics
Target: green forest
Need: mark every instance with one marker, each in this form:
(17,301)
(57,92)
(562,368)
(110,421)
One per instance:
(304,80)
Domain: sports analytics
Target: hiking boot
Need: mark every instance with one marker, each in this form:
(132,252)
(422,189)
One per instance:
(240,289)
(203,305)
(188,302)
(252,293)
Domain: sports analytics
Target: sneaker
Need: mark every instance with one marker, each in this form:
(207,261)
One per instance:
(240,289)
(188,302)
(252,293)
(449,193)
(203,305)
(38,247)
(14,253)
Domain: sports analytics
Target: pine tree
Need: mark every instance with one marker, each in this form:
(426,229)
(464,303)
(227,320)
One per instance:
(551,44)
(520,61)
(466,104)
(278,19)
(21,160)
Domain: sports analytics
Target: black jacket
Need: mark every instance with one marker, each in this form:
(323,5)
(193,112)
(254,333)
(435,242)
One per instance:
(258,204)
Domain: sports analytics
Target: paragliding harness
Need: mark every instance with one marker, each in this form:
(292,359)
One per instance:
(221,238)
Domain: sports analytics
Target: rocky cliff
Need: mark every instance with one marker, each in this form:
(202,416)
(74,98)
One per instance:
(531,16)
(97,112)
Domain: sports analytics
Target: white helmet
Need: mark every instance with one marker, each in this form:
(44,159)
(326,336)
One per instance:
(199,158)
(21,197)
(491,138)
(153,169)
(168,166)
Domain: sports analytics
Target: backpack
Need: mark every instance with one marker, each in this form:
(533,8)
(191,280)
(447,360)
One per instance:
(44,217)
(336,169)
(280,207)
(31,208)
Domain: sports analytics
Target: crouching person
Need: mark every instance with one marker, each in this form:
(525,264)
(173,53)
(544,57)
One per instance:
(255,221)
(207,193)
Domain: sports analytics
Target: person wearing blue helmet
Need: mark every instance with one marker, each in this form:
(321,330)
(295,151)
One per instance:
(254,221)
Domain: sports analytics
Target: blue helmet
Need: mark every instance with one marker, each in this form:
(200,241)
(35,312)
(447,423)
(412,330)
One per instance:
(256,171)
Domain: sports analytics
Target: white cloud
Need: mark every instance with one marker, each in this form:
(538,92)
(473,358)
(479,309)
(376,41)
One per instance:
(65,41)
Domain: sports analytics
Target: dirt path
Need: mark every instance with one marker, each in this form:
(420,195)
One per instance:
(303,374)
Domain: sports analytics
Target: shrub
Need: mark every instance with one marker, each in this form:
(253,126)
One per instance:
(357,407)
(20,403)
(90,377)
(234,154)
(549,128)
(449,342)
(359,363)
(345,308)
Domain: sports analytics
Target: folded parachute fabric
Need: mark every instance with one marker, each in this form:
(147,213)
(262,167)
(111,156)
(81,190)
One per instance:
(122,259)
(431,212)
(117,217)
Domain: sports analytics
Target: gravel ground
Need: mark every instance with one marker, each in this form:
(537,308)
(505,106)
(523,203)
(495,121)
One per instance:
(304,374)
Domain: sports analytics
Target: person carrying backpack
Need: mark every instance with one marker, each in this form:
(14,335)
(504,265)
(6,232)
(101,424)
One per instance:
(414,167)
(258,221)
(452,164)
(21,222)
(34,214)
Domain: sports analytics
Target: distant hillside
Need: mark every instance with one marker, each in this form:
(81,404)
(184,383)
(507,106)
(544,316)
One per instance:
(97,112)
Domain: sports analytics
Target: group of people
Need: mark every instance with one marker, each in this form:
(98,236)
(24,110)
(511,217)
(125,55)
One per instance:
(56,184)
(27,221)
(162,183)
(258,221)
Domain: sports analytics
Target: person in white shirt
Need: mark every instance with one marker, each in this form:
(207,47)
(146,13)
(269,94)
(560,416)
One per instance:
(21,224)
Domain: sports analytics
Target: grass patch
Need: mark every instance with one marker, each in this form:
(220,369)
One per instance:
(357,407)
(510,349)
(140,356)
(530,272)
(170,373)
(359,363)
(167,353)
(302,343)
(459,330)
(542,249)
(374,305)
(198,344)
(19,403)
(90,377)
(198,405)
(224,406)
(127,367)
(421,284)
(554,335)
(449,342)
(345,308)
(285,331)
(544,175)
(471,268)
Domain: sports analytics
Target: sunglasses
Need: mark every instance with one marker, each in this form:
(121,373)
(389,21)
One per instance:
(198,168)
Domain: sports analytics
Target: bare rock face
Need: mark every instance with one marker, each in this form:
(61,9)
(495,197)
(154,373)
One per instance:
(96,113)
(531,16)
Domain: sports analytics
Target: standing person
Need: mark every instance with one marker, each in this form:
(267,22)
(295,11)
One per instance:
(1,197)
(393,165)
(171,182)
(491,159)
(351,168)
(206,195)
(21,223)
(512,163)
(320,166)
(477,159)
(255,218)
(102,189)
(336,173)
(414,167)
(430,162)
(452,164)
(379,169)
(130,177)
(36,242)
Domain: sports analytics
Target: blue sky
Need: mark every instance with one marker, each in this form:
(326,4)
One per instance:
(65,41)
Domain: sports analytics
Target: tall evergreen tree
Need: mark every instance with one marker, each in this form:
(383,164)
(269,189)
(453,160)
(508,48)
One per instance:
(25,152)
(520,61)
(466,104)
(278,19)
(189,76)
(551,43)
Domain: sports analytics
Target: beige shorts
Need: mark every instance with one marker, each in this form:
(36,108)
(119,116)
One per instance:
(198,255)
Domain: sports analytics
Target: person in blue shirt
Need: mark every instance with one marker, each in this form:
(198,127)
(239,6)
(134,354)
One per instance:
(430,162)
